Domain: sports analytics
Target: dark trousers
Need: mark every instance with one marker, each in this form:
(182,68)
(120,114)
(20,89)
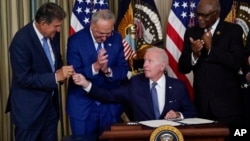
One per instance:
(98,120)
(47,131)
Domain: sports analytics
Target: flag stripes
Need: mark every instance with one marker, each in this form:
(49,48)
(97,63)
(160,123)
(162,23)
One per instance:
(180,18)
(128,52)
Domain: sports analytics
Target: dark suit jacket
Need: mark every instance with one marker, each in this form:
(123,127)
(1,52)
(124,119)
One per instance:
(33,80)
(246,66)
(81,53)
(216,83)
(137,93)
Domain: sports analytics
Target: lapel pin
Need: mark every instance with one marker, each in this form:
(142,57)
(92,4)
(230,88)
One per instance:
(218,32)
(109,44)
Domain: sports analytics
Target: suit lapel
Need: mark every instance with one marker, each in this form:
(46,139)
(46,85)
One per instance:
(87,46)
(217,33)
(146,85)
(168,95)
(37,44)
(108,47)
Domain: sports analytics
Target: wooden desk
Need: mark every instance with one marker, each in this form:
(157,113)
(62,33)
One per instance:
(204,132)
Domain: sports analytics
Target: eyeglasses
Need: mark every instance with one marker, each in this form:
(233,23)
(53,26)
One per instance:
(205,16)
(100,34)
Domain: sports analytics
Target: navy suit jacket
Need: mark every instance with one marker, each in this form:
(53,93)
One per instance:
(216,79)
(33,80)
(81,53)
(137,93)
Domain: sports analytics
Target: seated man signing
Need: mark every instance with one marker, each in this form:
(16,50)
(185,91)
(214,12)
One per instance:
(172,100)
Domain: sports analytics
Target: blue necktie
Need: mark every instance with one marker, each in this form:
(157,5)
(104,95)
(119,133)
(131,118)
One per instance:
(99,47)
(47,52)
(155,100)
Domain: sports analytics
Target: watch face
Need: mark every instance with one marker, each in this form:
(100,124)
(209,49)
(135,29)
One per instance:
(166,133)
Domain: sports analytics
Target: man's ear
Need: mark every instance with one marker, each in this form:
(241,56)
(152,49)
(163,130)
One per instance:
(163,67)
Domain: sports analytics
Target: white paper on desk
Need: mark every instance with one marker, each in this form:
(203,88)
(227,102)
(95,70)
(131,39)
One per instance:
(157,123)
(195,121)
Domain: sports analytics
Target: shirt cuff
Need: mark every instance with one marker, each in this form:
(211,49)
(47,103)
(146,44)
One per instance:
(181,115)
(87,89)
(208,52)
(93,70)
(109,73)
(194,61)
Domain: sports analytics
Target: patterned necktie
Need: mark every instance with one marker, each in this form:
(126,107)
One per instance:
(99,47)
(47,52)
(155,100)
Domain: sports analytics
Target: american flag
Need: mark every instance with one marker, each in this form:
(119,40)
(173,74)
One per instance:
(129,53)
(81,16)
(180,18)
(82,12)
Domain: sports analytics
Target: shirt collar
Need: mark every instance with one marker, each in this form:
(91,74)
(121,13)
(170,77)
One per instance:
(93,37)
(160,82)
(213,27)
(40,36)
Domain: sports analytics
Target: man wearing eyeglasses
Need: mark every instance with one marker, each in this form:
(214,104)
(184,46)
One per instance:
(97,53)
(213,50)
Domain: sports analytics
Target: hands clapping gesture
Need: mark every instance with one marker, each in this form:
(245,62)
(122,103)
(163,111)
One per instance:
(207,38)
(102,61)
(197,45)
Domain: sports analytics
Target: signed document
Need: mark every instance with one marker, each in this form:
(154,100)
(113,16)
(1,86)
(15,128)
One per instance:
(195,121)
(157,123)
(187,121)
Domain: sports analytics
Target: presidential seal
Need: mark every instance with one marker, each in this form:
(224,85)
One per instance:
(166,133)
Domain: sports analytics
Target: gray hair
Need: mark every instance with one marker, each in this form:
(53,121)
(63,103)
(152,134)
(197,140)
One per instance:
(162,54)
(105,14)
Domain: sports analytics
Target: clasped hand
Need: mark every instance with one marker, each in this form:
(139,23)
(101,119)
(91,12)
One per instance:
(102,61)
(80,80)
(207,38)
(64,73)
(197,45)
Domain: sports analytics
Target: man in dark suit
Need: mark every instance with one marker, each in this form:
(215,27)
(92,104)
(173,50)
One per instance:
(172,95)
(33,99)
(246,79)
(96,52)
(213,50)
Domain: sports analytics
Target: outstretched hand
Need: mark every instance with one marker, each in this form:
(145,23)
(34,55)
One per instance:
(80,80)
